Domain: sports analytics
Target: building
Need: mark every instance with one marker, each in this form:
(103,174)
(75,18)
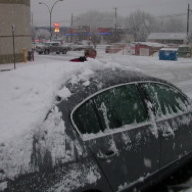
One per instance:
(14,16)
(86,33)
(146,48)
(168,38)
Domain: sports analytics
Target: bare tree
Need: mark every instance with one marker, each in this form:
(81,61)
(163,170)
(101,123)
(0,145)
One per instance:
(140,24)
(42,34)
(98,19)
(95,19)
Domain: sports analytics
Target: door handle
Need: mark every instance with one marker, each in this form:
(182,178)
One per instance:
(168,135)
(107,154)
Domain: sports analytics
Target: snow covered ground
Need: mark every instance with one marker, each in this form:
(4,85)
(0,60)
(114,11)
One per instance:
(28,92)
(177,72)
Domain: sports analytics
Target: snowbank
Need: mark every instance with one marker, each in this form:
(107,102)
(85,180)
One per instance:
(27,94)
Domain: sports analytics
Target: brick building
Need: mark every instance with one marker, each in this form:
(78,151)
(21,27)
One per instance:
(14,13)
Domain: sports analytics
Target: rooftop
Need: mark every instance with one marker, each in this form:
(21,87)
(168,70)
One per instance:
(167,36)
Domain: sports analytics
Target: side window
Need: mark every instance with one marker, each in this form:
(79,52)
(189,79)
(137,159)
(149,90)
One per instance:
(120,106)
(86,119)
(167,100)
(113,108)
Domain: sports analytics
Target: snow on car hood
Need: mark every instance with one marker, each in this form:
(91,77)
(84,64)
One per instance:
(27,94)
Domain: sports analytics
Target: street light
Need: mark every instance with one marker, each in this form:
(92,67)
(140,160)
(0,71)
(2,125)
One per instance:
(50,9)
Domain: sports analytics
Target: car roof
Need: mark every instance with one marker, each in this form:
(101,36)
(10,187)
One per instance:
(103,79)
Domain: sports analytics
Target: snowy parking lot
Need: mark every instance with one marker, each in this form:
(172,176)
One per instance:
(30,89)
(177,72)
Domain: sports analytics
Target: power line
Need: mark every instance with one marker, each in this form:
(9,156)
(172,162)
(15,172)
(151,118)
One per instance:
(173,15)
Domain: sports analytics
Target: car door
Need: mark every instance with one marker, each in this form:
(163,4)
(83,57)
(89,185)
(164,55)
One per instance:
(116,126)
(173,119)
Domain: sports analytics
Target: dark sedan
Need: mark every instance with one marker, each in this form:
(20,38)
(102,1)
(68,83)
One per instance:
(123,131)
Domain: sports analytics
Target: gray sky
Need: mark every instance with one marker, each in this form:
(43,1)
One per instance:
(63,10)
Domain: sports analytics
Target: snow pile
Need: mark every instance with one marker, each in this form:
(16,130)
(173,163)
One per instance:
(77,177)
(27,94)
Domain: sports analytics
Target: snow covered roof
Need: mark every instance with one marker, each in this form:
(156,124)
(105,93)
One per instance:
(169,49)
(167,36)
(151,44)
(185,46)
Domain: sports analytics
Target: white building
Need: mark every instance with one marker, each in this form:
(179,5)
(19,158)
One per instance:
(168,38)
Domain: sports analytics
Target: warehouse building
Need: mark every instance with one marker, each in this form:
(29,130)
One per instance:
(15,26)
(168,38)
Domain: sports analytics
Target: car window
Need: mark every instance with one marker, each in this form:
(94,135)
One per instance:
(166,99)
(86,119)
(111,109)
(47,44)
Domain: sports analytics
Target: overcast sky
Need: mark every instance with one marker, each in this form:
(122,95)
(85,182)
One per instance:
(63,10)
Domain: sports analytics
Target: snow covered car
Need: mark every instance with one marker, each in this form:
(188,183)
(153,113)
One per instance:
(80,47)
(104,133)
(52,47)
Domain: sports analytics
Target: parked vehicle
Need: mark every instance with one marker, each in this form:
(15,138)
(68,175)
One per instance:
(52,47)
(184,51)
(114,48)
(118,132)
(80,47)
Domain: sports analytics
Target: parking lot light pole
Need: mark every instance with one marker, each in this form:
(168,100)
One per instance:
(50,9)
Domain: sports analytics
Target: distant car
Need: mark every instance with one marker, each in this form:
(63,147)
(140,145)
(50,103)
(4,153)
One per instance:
(52,47)
(118,132)
(114,48)
(79,47)
(41,48)
(36,44)
(33,45)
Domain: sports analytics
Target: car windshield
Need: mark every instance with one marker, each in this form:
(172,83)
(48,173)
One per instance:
(45,46)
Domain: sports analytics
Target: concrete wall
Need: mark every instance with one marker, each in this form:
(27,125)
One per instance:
(17,13)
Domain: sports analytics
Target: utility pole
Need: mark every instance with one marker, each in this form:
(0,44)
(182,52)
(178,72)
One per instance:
(71,27)
(32,27)
(188,10)
(188,17)
(115,18)
(13,37)
(50,9)
(115,23)
(32,19)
